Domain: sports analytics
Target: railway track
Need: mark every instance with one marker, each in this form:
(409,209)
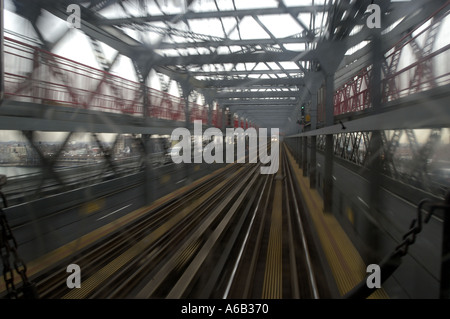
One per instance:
(238,234)
(147,241)
(273,260)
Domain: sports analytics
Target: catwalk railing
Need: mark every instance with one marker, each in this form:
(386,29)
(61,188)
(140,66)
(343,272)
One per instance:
(36,75)
(417,62)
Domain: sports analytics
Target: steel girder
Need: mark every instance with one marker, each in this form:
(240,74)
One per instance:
(126,45)
(105,30)
(249,82)
(190,15)
(412,14)
(257,94)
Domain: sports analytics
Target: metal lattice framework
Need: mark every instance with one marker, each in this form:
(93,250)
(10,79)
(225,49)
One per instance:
(225,74)
(224,61)
(420,74)
(364,110)
(240,70)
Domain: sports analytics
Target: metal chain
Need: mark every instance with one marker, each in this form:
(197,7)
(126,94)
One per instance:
(8,247)
(8,274)
(392,261)
(409,237)
(5,248)
(415,228)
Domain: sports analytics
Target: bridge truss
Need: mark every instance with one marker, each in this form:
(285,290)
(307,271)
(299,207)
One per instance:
(373,100)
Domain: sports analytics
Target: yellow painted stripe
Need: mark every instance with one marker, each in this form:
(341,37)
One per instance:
(273,284)
(345,262)
(55,256)
(88,285)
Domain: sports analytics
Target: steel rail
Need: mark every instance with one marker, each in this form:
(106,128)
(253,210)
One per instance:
(155,257)
(119,240)
(301,231)
(158,278)
(245,241)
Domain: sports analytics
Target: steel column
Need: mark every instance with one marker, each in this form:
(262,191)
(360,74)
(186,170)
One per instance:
(375,150)
(312,152)
(149,187)
(329,120)
(305,156)
(210,106)
(445,259)
(187,113)
(224,120)
(149,190)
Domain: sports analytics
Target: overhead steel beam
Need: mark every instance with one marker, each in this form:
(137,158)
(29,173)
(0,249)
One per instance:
(248,82)
(261,89)
(118,40)
(228,43)
(267,119)
(269,115)
(251,95)
(261,108)
(346,17)
(416,12)
(294,15)
(271,122)
(268,123)
(271,102)
(422,110)
(235,58)
(270,112)
(244,72)
(181,77)
(190,15)
(411,10)
(111,36)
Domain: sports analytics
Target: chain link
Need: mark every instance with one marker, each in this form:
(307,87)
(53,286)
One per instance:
(415,228)
(392,261)
(8,248)
(5,249)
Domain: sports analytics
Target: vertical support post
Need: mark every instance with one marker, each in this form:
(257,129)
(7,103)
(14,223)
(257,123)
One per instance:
(312,153)
(187,111)
(329,120)
(2,61)
(188,124)
(210,102)
(313,163)
(374,163)
(305,156)
(145,103)
(377,58)
(295,147)
(209,122)
(300,153)
(142,72)
(149,188)
(224,133)
(224,120)
(445,260)
(148,171)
